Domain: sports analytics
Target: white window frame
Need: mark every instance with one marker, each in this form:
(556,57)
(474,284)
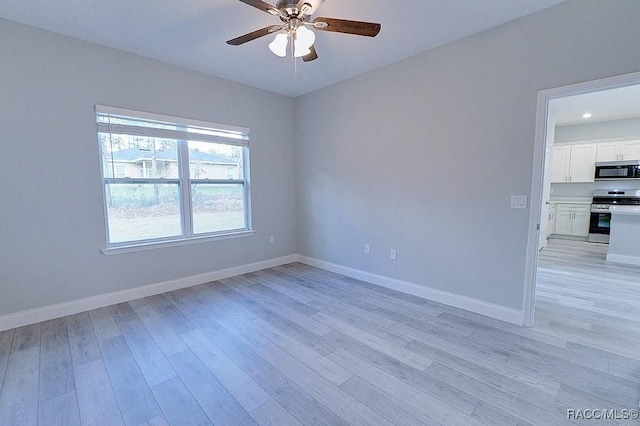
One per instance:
(210,132)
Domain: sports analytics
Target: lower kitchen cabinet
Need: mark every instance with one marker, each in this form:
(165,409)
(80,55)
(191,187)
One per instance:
(551,221)
(572,219)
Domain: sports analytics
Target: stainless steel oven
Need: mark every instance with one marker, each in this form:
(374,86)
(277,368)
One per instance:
(600,222)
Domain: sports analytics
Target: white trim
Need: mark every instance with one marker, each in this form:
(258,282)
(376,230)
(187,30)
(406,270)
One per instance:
(45,313)
(104,109)
(623,258)
(128,248)
(502,313)
(544,96)
(535,203)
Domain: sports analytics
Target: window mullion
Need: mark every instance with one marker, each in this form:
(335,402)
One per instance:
(185,188)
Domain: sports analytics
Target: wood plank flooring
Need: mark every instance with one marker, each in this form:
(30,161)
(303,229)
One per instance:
(294,345)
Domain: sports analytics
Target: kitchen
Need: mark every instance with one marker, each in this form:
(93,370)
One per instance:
(592,172)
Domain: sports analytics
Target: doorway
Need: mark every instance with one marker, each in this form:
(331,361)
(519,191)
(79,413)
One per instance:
(547,116)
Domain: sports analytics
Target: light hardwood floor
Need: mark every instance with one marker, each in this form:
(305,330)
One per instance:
(296,345)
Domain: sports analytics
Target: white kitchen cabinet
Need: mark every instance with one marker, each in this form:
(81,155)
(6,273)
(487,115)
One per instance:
(618,151)
(560,163)
(583,163)
(631,150)
(608,151)
(581,220)
(573,163)
(551,220)
(572,219)
(563,222)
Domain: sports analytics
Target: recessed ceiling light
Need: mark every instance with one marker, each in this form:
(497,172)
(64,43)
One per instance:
(586,115)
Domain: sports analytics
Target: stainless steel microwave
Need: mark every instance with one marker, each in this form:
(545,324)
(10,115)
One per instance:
(617,170)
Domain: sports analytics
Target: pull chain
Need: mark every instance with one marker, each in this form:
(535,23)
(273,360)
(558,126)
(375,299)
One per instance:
(293,55)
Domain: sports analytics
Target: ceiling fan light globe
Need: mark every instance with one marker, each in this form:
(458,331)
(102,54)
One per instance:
(300,50)
(279,45)
(305,37)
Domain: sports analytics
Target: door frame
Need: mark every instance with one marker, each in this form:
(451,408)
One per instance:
(540,143)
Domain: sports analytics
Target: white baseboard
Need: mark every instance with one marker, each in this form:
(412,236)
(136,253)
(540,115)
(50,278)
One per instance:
(502,313)
(622,258)
(45,313)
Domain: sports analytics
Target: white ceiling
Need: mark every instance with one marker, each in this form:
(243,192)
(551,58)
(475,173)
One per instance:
(604,105)
(192,33)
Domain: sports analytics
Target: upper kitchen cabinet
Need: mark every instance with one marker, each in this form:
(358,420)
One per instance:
(573,163)
(608,151)
(631,150)
(617,151)
(560,163)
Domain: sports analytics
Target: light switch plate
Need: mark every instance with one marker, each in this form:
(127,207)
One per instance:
(518,201)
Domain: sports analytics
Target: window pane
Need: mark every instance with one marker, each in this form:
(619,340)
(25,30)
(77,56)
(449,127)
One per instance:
(126,156)
(215,161)
(142,212)
(168,178)
(217,207)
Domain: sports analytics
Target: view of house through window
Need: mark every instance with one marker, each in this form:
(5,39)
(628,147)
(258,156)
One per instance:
(166,178)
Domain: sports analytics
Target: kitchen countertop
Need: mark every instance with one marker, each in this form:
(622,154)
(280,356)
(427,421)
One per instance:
(570,200)
(626,210)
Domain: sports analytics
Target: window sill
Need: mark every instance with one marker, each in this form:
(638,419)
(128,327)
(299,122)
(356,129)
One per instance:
(173,243)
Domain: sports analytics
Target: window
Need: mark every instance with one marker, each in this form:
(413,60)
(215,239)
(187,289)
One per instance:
(168,179)
(120,171)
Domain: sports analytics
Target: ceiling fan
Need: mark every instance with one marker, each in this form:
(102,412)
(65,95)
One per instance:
(295,16)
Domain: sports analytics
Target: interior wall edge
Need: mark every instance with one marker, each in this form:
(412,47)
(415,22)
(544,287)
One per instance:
(477,306)
(45,313)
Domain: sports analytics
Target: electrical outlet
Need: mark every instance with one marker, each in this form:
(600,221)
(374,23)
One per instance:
(393,255)
(366,249)
(272,239)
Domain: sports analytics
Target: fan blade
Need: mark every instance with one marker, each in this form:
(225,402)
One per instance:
(265,7)
(313,6)
(254,35)
(368,29)
(311,56)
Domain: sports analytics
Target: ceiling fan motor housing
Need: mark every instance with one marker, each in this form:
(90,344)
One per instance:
(288,7)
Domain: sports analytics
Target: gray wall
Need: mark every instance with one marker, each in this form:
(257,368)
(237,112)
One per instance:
(629,128)
(420,156)
(51,214)
(423,155)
